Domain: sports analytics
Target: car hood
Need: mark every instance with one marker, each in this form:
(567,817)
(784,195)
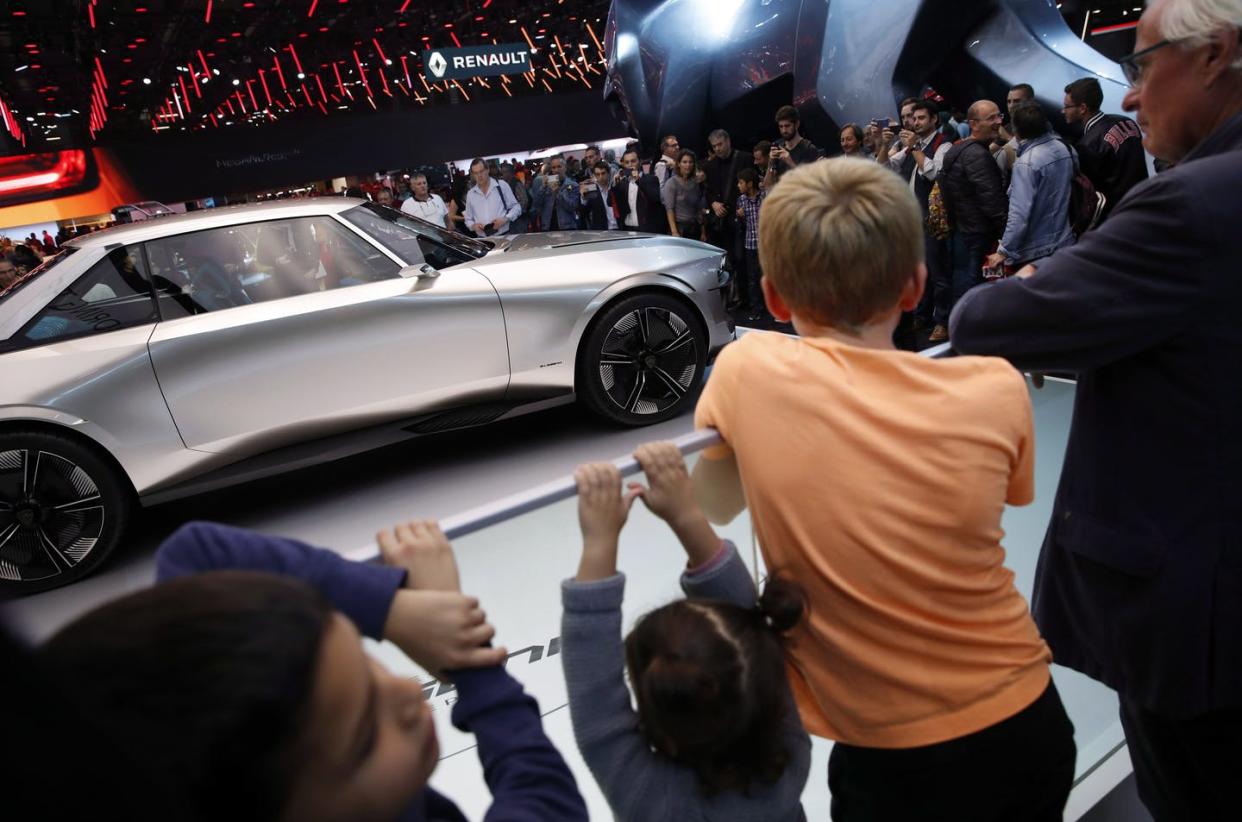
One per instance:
(563,239)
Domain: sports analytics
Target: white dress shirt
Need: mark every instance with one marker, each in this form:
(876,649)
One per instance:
(497,203)
(930,169)
(631,219)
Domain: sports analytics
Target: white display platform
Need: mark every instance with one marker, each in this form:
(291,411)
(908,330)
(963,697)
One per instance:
(515,568)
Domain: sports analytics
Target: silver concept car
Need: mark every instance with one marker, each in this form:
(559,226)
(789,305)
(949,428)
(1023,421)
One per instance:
(176,355)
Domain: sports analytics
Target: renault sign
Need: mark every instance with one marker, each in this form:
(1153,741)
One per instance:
(476,61)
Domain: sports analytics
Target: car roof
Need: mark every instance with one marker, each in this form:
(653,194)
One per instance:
(155,228)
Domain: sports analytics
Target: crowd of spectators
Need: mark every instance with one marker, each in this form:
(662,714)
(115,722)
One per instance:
(890,623)
(998,189)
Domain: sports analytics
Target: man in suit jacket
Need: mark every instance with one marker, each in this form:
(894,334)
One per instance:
(596,209)
(637,196)
(1139,584)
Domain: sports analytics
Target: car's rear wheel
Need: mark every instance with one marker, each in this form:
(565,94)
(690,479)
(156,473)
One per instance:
(63,508)
(643,360)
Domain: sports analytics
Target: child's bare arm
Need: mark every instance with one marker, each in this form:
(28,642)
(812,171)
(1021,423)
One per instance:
(718,489)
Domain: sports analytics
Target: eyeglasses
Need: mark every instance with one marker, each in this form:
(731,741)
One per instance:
(1132,69)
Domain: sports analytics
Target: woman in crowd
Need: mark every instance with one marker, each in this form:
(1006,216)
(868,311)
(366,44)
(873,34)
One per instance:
(684,200)
(716,734)
(257,699)
(853,143)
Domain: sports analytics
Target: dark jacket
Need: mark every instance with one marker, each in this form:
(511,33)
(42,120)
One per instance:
(1111,154)
(1139,584)
(721,183)
(973,190)
(651,214)
(592,215)
(526,775)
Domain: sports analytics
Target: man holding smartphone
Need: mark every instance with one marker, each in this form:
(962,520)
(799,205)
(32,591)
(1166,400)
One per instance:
(637,198)
(553,201)
(791,150)
(596,209)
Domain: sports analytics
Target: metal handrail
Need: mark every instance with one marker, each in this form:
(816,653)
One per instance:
(514,505)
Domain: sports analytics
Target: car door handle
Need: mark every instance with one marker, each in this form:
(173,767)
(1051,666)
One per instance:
(426,272)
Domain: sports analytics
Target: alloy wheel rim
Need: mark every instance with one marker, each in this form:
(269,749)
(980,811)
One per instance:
(51,515)
(649,361)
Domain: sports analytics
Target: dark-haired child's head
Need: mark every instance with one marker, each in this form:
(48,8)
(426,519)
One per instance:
(709,679)
(747,182)
(253,696)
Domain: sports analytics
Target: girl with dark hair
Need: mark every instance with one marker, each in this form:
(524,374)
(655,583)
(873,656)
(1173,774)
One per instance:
(254,695)
(715,735)
(684,199)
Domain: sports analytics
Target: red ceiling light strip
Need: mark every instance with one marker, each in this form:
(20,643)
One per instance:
(207,16)
(266,90)
(1110,29)
(337,71)
(254,102)
(280,73)
(406,68)
(311,11)
(406,5)
(380,51)
(322,93)
(185,97)
(366,85)
(194,79)
(298,63)
(203,60)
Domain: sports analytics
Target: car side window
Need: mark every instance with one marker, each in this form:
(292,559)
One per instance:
(113,294)
(401,236)
(223,268)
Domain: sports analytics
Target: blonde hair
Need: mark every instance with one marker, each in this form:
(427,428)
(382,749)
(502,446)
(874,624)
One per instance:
(839,240)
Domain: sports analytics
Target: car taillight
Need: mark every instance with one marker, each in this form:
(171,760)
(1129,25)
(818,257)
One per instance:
(40,174)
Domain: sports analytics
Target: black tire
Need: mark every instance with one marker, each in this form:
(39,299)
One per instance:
(643,360)
(63,508)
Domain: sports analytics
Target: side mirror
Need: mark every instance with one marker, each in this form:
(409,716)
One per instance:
(423,271)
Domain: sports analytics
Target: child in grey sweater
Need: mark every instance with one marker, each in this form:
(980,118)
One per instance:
(715,735)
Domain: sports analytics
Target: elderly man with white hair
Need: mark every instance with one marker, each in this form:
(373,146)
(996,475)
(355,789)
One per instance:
(1139,584)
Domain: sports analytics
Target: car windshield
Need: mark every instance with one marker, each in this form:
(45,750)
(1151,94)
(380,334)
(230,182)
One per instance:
(12,282)
(399,232)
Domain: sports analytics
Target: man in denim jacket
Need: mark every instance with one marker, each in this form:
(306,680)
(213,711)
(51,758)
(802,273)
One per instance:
(1039,192)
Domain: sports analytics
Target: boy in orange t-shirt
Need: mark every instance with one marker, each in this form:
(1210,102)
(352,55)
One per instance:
(877,479)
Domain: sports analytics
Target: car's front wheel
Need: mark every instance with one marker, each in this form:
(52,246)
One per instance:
(63,508)
(643,360)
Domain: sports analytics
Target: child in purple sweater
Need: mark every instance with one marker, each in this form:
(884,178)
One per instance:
(255,693)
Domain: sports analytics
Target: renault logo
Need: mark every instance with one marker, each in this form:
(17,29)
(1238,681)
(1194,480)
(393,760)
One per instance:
(437,64)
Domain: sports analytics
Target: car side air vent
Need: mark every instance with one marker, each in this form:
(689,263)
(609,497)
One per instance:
(460,418)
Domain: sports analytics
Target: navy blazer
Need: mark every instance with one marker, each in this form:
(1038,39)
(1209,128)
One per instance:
(1139,584)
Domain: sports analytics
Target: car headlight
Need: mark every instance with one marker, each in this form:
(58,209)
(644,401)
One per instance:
(724,273)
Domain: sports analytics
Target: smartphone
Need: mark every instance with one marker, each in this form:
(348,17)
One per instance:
(590,187)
